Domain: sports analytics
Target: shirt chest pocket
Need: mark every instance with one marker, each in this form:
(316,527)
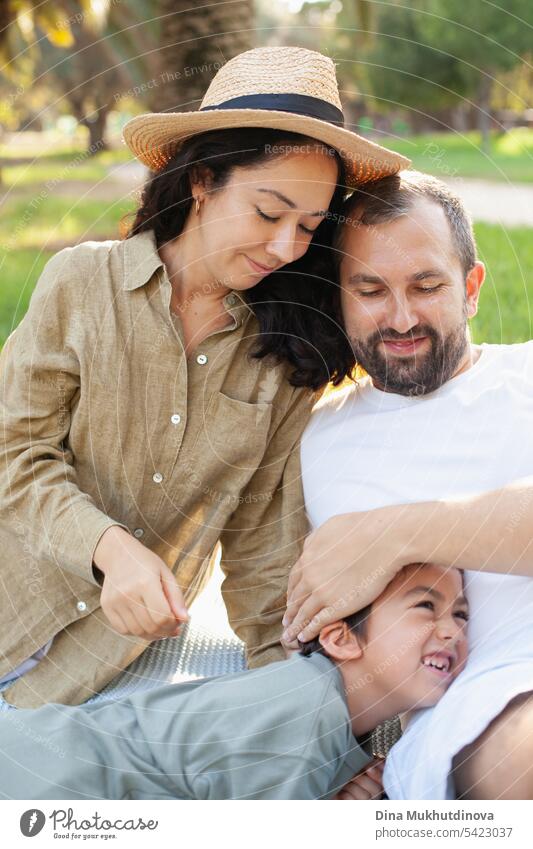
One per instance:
(232,438)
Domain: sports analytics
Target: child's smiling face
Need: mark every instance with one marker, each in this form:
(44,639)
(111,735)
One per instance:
(415,640)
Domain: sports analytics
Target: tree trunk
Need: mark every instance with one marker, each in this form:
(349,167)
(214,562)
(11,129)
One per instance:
(195,43)
(96,129)
(484,92)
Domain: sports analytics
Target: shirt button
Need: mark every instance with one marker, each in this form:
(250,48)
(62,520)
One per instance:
(157,478)
(176,418)
(138,532)
(232,299)
(82,607)
(201,359)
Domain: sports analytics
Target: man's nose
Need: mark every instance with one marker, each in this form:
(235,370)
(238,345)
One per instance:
(404,316)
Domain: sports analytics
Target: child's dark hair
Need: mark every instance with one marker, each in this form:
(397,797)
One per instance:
(356,623)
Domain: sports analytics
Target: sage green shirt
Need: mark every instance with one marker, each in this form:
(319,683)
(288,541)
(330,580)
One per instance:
(103,421)
(279,732)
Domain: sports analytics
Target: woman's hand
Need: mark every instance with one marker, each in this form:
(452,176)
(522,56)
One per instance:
(365,785)
(345,565)
(140,595)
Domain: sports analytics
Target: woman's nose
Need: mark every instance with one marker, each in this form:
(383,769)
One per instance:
(285,247)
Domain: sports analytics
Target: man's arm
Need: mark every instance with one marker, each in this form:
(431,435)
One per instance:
(350,559)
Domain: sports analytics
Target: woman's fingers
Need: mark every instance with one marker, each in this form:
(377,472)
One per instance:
(130,622)
(116,621)
(164,622)
(174,597)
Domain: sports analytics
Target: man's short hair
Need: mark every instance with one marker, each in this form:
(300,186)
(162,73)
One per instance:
(385,200)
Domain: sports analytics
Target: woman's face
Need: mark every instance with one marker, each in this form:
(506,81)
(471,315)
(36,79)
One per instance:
(264,217)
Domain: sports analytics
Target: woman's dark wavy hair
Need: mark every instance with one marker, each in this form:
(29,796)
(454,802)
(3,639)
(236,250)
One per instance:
(298,307)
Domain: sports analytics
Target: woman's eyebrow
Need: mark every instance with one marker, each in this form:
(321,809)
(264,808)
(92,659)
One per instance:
(290,203)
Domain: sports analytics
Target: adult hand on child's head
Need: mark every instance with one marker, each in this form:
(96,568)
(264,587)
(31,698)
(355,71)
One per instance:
(365,785)
(345,565)
(140,596)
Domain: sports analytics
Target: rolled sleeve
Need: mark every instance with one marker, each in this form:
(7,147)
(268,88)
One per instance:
(264,538)
(40,373)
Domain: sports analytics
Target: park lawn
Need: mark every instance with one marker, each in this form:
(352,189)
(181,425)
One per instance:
(30,235)
(71,163)
(505,313)
(509,159)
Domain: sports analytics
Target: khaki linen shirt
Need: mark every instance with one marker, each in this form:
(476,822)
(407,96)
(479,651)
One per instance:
(104,421)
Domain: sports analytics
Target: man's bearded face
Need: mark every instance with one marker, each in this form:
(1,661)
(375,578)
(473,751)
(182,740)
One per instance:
(412,372)
(405,301)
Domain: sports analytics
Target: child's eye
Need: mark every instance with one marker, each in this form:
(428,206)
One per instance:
(427,604)
(265,217)
(462,614)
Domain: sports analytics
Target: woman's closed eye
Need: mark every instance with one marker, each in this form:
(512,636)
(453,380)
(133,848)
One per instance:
(266,217)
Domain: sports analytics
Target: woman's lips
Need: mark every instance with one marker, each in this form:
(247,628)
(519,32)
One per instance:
(257,268)
(404,346)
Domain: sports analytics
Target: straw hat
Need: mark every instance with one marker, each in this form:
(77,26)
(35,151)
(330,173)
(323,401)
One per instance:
(287,88)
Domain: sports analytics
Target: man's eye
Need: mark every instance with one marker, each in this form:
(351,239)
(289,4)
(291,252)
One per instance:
(265,217)
(427,289)
(370,293)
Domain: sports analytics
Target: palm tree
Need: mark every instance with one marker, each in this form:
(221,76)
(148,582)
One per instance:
(194,42)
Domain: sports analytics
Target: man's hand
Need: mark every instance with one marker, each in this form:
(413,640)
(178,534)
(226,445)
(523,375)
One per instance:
(140,595)
(365,785)
(345,565)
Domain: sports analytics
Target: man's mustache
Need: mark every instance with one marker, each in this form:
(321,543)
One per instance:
(392,335)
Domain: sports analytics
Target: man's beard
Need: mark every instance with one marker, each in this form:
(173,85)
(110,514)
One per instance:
(419,374)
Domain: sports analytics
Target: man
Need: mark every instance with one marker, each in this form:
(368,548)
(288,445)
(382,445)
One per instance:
(422,460)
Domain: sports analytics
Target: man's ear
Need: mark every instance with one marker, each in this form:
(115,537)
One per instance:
(474,281)
(340,642)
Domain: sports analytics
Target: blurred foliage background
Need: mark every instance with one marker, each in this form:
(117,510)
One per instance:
(447,82)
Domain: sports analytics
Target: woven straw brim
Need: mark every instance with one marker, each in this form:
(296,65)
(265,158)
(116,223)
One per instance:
(156,137)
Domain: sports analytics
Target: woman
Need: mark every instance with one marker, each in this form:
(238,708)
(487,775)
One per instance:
(156,389)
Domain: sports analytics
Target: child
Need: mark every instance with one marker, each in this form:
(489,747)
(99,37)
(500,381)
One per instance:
(290,730)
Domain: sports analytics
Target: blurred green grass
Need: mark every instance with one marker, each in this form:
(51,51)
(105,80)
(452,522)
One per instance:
(505,313)
(36,222)
(509,158)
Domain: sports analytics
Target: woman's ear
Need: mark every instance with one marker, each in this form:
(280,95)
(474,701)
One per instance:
(340,642)
(201,181)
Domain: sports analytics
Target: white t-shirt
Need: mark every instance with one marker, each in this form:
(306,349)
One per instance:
(364,449)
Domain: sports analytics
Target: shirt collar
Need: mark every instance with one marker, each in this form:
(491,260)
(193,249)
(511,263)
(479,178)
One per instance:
(141,260)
